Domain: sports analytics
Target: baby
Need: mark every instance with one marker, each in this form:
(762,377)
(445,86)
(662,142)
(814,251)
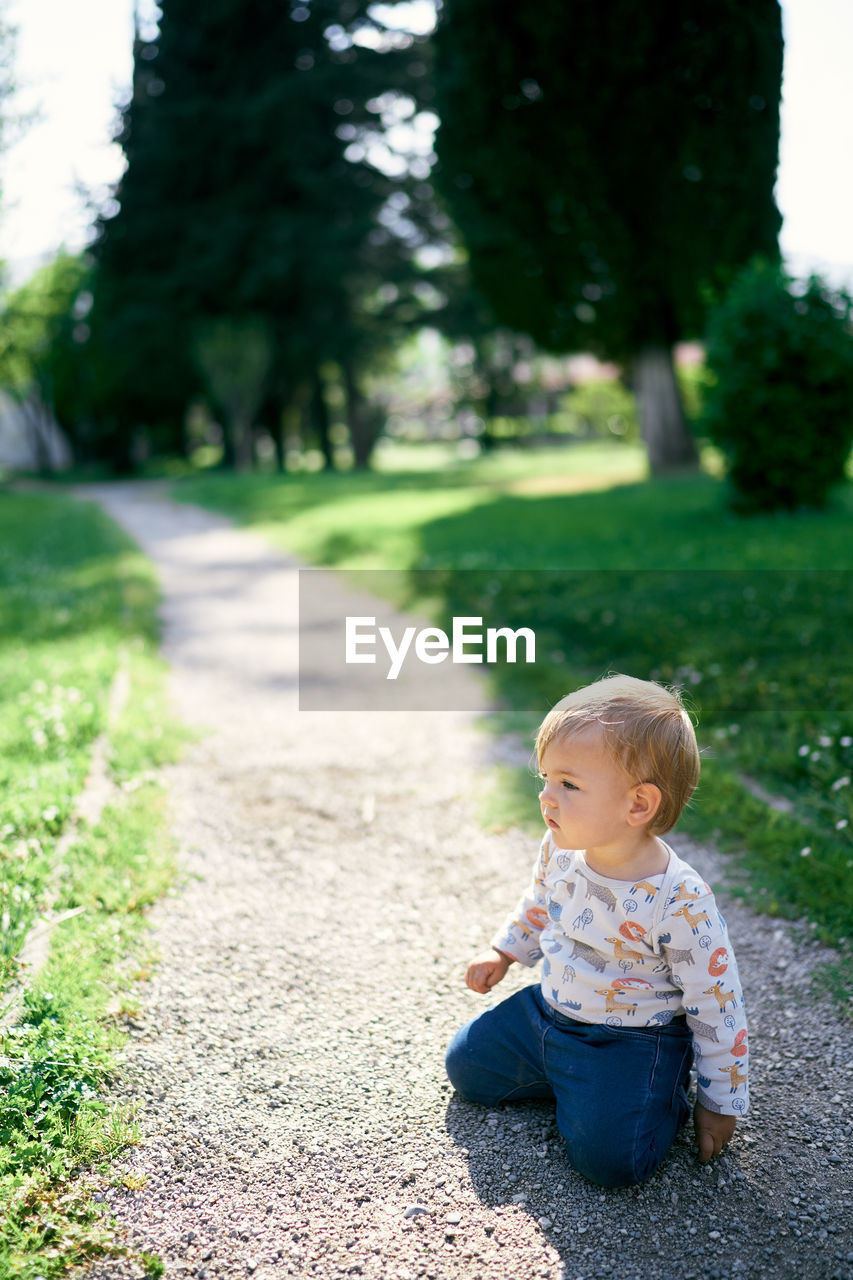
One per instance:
(638,975)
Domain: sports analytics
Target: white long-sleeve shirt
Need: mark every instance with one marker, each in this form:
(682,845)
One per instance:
(636,953)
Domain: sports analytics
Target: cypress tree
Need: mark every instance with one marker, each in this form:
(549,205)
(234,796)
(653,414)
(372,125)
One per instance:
(244,201)
(611,167)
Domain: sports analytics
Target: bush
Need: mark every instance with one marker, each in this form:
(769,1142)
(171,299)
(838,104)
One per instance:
(780,403)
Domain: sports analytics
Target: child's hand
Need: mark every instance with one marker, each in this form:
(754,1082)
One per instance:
(713,1131)
(486,971)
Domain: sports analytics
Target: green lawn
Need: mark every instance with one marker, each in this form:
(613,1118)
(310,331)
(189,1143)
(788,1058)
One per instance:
(558,508)
(752,617)
(77,601)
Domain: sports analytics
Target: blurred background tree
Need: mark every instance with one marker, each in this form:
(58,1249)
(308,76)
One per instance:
(780,399)
(248,193)
(294,263)
(235,359)
(43,327)
(610,168)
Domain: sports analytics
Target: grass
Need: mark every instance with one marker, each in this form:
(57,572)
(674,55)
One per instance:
(58,1127)
(577,507)
(753,618)
(78,601)
(376,519)
(73,592)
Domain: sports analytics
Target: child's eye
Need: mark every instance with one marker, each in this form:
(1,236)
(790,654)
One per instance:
(570,786)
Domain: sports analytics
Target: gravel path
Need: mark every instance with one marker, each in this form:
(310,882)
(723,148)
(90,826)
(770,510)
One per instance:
(288,1066)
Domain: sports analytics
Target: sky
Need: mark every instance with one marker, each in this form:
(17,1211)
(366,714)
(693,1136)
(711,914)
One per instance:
(73,80)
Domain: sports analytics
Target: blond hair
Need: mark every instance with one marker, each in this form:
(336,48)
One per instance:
(647,730)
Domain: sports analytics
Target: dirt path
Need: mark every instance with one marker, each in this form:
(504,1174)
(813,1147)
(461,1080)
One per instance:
(288,1068)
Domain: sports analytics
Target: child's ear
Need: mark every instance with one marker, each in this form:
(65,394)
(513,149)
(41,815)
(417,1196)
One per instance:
(646,799)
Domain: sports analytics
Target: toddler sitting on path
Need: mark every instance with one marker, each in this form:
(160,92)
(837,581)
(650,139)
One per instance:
(638,975)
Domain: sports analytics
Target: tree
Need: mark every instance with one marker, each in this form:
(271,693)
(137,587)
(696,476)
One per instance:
(43,335)
(780,403)
(610,167)
(235,358)
(249,195)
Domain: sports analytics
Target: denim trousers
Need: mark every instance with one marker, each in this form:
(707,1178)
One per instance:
(621,1092)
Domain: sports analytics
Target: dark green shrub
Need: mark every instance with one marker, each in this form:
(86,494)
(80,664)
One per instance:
(780,403)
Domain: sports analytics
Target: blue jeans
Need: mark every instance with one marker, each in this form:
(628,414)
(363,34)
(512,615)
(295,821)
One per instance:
(621,1092)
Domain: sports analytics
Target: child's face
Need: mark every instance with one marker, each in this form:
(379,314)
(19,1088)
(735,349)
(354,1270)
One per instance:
(586,795)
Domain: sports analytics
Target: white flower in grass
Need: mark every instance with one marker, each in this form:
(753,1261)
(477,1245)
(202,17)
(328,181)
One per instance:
(804,853)
(50,814)
(841,782)
(845,741)
(40,738)
(803,751)
(815,755)
(841,824)
(824,741)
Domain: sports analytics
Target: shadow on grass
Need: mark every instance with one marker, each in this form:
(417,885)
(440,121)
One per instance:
(682,523)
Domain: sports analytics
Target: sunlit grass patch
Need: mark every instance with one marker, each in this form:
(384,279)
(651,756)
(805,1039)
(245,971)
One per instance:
(114,869)
(57,1120)
(145,735)
(49,1228)
(507,509)
(78,606)
(72,591)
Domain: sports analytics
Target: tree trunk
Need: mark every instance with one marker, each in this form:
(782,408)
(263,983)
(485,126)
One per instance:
(228,453)
(244,453)
(115,449)
(363,420)
(670,444)
(272,416)
(278,444)
(180,436)
(320,420)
